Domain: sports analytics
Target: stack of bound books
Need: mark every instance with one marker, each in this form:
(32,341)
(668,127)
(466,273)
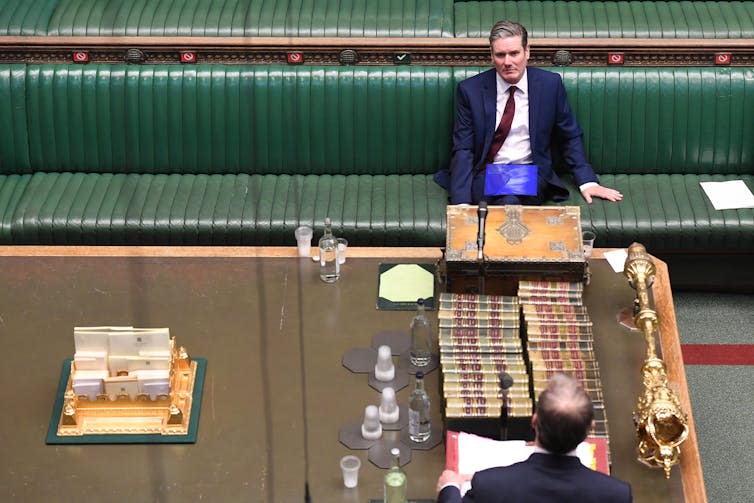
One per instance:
(480,337)
(558,337)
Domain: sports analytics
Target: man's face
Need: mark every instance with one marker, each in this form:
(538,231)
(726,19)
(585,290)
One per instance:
(509,58)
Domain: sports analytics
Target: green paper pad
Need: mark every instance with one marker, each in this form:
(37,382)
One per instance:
(400,285)
(189,438)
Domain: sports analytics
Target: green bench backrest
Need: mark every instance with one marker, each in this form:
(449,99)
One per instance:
(348,120)
(224,18)
(376,18)
(26,17)
(227,119)
(665,120)
(615,19)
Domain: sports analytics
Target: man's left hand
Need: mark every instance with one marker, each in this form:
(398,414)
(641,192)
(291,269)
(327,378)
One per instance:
(602,193)
(449,477)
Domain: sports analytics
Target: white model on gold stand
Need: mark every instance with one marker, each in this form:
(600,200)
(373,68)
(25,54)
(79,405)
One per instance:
(126,380)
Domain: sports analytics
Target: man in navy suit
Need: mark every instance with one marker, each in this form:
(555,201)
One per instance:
(552,473)
(541,120)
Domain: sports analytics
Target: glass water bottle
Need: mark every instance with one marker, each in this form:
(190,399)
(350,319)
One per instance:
(329,269)
(418,411)
(421,337)
(396,482)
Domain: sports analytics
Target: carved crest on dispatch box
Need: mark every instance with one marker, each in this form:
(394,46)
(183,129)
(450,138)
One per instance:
(513,229)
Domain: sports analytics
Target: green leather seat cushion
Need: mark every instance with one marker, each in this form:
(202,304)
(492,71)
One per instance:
(668,213)
(12,187)
(113,209)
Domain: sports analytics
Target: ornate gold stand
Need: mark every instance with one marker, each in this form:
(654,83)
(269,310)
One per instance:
(661,425)
(168,414)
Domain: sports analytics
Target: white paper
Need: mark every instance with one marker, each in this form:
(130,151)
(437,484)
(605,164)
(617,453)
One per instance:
(616,259)
(488,453)
(730,195)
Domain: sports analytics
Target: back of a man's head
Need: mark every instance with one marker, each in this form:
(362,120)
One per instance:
(564,414)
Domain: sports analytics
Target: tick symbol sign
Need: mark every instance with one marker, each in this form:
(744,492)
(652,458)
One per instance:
(402,58)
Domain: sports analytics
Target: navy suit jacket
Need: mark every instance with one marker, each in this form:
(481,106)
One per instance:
(551,122)
(541,478)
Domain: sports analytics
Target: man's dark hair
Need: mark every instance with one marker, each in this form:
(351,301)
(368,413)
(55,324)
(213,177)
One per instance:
(505,29)
(564,414)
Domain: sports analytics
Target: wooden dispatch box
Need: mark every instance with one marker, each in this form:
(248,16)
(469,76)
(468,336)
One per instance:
(539,243)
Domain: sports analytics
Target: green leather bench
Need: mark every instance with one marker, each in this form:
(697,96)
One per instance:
(222,154)
(365,18)
(201,154)
(228,18)
(609,19)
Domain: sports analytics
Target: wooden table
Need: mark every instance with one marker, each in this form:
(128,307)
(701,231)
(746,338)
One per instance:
(275,392)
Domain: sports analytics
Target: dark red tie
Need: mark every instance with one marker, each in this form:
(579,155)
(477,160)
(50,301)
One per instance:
(504,127)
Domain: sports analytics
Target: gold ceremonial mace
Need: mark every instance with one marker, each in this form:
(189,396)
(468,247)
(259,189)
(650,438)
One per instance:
(660,423)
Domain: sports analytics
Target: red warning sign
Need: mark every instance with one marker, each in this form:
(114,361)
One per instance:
(80,56)
(615,58)
(295,58)
(723,58)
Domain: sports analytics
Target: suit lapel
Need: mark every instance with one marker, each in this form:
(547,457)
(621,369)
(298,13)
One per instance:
(535,94)
(489,99)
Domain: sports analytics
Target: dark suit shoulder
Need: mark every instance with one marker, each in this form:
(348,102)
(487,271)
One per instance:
(480,78)
(543,75)
(543,477)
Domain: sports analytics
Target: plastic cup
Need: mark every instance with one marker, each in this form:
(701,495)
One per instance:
(350,465)
(304,240)
(587,240)
(342,247)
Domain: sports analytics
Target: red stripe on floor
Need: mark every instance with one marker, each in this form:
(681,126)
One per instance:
(718,354)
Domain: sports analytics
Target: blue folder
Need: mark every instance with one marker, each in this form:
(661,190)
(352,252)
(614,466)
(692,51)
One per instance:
(510,179)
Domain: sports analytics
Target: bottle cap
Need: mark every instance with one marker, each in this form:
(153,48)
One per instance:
(420,375)
(420,301)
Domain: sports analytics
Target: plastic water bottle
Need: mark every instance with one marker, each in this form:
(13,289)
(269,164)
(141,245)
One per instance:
(396,482)
(418,412)
(421,337)
(329,269)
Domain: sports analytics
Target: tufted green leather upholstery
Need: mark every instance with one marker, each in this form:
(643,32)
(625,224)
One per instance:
(237,119)
(228,18)
(236,155)
(26,17)
(670,213)
(88,208)
(365,18)
(614,19)
(11,189)
(244,154)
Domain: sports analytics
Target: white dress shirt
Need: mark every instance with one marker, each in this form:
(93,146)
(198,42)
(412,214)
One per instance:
(517,146)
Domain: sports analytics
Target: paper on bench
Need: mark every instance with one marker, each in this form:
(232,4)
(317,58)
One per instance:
(730,195)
